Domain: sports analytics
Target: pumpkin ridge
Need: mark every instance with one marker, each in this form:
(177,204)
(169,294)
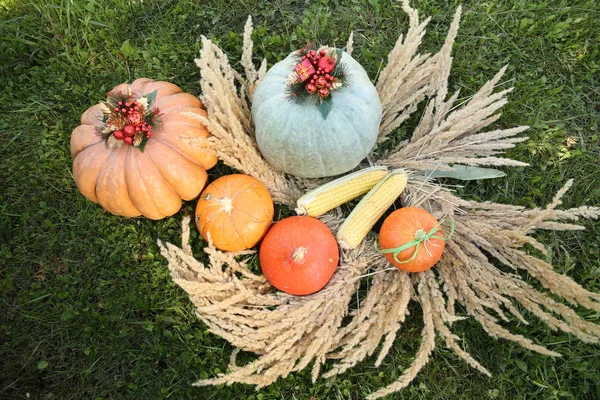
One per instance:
(92,116)
(122,87)
(355,138)
(161,87)
(320,161)
(233,222)
(180,122)
(85,133)
(177,150)
(118,201)
(138,83)
(241,192)
(175,108)
(188,95)
(139,88)
(265,209)
(210,217)
(140,181)
(217,189)
(160,173)
(129,149)
(127,155)
(78,170)
(88,146)
(180,109)
(104,165)
(250,216)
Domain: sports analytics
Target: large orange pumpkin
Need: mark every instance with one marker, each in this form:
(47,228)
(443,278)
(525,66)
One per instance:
(236,210)
(145,156)
(299,255)
(416,230)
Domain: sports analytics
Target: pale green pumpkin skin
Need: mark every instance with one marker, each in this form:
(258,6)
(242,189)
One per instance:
(296,139)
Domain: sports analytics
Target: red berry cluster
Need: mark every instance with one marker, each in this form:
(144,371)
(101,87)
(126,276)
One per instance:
(324,65)
(133,116)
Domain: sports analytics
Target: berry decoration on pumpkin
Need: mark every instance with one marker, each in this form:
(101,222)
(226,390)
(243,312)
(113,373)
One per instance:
(317,73)
(128,118)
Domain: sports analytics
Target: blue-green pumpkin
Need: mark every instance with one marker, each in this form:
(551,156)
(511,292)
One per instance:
(300,139)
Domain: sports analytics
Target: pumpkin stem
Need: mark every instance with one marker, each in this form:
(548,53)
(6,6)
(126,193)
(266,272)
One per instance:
(420,235)
(424,237)
(299,253)
(227,204)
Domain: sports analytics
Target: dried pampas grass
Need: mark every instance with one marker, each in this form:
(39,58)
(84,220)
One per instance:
(287,333)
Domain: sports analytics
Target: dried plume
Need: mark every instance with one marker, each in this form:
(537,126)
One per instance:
(445,135)
(350,43)
(287,333)
(229,119)
(410,77)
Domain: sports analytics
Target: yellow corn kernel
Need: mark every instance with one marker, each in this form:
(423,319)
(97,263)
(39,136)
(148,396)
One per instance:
(370,209)
(339,191)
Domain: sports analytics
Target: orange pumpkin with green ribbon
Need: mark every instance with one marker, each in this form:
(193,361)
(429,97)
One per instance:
(412,239)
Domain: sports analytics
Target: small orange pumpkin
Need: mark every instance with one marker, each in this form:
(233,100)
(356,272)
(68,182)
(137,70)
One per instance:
(236,210)
(112,168)
(412,239)
(299,255)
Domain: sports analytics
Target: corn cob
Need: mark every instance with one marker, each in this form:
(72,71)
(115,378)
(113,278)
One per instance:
(370,209)
(339,191)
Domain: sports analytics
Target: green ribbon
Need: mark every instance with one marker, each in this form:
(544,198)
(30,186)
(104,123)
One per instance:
(421,237)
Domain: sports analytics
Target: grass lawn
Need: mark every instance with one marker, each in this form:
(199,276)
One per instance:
(87,307)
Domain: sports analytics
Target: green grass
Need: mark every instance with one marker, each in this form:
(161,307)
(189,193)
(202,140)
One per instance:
(87,308)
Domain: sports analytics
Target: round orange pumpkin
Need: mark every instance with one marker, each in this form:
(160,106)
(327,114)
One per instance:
(412,225)
(236,210)
(299,255)
(145,171)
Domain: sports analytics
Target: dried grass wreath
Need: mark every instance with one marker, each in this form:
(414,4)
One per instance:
(286,332)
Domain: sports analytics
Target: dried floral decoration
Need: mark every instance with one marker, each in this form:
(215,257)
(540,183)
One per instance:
(288,333)
(317,73)
(128,119)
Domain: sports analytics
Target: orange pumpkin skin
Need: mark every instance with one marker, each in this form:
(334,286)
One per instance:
(236,210)
(129,182)
(400,227)
(299,255)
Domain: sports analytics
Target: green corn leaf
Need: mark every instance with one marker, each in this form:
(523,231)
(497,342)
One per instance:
(465,173)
